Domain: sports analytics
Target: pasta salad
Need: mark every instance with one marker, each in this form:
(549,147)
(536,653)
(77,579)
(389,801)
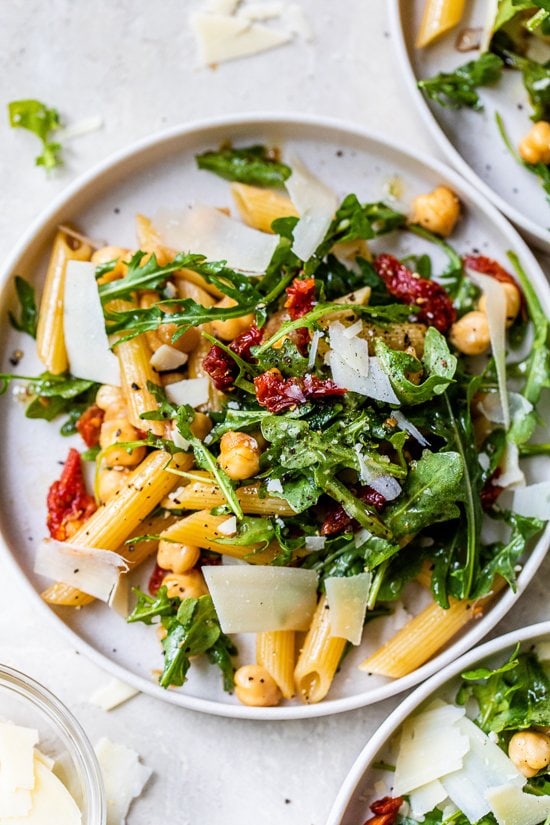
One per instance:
(299,424)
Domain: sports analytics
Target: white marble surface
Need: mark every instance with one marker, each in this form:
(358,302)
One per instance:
(133,63)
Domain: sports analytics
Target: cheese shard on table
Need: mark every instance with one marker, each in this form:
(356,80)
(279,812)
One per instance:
(112,694)
(511,806)
(124,777)
(222,37)
(431,746)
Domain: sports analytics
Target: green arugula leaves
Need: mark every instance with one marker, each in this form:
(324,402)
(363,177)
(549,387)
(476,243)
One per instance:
(28,313)
(255,165)
(42,121)
(454,90)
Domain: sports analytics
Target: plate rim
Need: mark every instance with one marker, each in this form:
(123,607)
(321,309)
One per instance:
(535,233)
(265,120)
(396,718)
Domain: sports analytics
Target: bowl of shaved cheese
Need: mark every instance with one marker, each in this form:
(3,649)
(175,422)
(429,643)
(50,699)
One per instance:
(471,745)
(49,774)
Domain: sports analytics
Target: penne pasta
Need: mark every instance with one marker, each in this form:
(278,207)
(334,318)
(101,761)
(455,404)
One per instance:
(425,635)
(200,495)
(275,650)
(319,657)
(260,207)
(439,17)
(50,339)
(112,523)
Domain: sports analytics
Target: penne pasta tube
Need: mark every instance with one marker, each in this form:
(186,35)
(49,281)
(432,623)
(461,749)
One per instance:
(319,657)
(260,207)
(136,372)
(439,17)
(198,495)
(275,652)
(201,530)
(50,339)
(112,523)
(425,635)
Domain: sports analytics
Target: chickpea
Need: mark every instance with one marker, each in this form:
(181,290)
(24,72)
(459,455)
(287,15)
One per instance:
(529,751)
(109,396)
(109,481)
(179,558)
(535,146)
(255,686)
(114,431)
(470,334)
(185,343)
(239,455)
(188,585)
(227,330)
(201,426)
(437,211)
(513,302)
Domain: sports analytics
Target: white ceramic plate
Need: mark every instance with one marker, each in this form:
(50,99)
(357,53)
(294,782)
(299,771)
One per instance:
(161,172)
(358,792)
(469,139)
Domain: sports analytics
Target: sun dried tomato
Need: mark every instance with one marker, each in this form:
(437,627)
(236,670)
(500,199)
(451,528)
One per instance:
(435,305)
(220,367)
(488,266)
(338,520)
(490,491)
(386,811)
(155,579)
(243,343)
(278,393)
(89,425)
(301,297)
(69,505)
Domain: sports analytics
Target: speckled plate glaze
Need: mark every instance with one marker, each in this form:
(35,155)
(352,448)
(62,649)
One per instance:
(160,171)
(360,787)
(470,140)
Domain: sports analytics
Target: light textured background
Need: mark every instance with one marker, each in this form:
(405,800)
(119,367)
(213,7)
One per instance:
(134,64)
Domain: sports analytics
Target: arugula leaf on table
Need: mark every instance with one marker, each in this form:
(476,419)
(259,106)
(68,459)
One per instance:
(192,628)
(456,89)
(430,494)
(437,364)
(42,121)
(256,165)
(513,696)
(28,313)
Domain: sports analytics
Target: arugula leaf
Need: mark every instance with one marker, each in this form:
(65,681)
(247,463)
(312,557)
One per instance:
(288,360)
(192,628)
(502,557)
(28,313)
(53,395)
(431,491)
(38,118)
(456,89)
(438,365)
(299,491)
(206,460)
(255,165)
(514,696)
(536,79)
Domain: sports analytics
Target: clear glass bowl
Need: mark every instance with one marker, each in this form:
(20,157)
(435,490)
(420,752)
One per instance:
(25,702)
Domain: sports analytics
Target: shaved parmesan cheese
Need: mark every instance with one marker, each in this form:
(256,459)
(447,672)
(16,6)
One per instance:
(424,799)
(313,347)
(228,527)
(511,473)
(273,485)
(430,747)
(52,804)
(387,486)
(316,204)
(193,391)
(84,327)
(123,775)
(168,358)
(254,598)
(315,542)
(178,439)
(347,600)
(543,651)
(16,769)
(207,231)
(353,330)
(491,407)
(90,569)
(496,315)
(485,766)
(112,694)
(119,600)
(348,358)
(261,11)
(405,424)
(532,501)
(511,806)
(14,802)
(221,37)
